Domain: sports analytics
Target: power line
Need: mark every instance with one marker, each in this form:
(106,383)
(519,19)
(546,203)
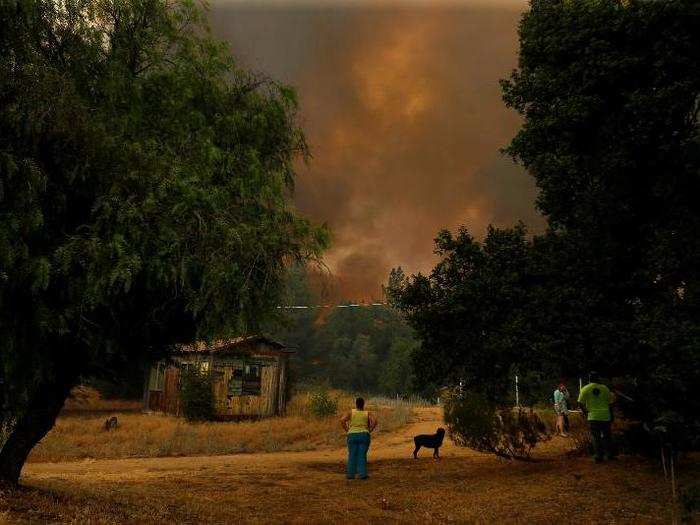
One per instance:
(308,307)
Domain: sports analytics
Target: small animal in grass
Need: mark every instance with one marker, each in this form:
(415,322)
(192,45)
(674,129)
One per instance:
(111,423)
(433,441)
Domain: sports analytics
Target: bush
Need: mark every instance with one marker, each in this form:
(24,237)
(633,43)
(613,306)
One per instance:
(321,404)
(196,395)
(690,503)
(475,422)
(580,436)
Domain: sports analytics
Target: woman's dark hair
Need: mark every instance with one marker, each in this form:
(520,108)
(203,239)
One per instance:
(360,403)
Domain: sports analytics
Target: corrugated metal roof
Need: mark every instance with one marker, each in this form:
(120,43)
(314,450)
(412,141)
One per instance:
(231,344)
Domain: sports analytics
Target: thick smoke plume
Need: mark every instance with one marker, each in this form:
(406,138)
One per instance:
(403,114)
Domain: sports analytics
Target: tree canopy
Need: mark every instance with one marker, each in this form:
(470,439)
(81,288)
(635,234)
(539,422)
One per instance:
(363,349)
(144,195)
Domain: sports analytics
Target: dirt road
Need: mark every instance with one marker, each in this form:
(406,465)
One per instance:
(310,487)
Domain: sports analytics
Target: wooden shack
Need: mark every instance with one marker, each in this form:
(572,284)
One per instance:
(249,377)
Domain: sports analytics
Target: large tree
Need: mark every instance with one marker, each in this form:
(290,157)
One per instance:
(609,92)
(610,95)
(144,185)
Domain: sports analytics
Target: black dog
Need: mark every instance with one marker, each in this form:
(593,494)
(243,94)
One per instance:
(433,441)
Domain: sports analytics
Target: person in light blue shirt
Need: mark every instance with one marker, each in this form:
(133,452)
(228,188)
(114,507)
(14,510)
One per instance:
(561,408)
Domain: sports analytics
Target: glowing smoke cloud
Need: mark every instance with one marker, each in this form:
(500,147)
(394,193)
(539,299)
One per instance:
(404,118)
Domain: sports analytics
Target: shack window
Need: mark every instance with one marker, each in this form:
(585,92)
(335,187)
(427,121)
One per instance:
(245,380)
(157,378)
(197,366)
(235,383)
(251,380)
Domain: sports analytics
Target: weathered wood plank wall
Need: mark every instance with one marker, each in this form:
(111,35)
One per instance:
(247,405)
(273,381)
(171,390)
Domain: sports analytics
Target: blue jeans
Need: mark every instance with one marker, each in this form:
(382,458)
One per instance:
(358,445)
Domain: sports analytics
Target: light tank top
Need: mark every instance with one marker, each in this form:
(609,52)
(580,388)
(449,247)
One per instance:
(359,421)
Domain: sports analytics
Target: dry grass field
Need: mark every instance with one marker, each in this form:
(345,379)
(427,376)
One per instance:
(79,436)
(85,400)
(309,487)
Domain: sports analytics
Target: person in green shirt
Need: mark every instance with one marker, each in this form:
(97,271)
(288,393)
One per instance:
(595,400)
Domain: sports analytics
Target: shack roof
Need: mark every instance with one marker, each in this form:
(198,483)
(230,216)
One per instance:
(232,345)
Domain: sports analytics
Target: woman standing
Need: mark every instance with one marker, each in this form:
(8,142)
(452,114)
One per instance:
(358,423)
(561,401)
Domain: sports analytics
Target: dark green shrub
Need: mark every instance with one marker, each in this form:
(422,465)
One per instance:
(321,404)
(196,395)
(475,422)
(690,503)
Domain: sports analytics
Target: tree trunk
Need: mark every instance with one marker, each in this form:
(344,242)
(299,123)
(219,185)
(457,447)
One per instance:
(32,425)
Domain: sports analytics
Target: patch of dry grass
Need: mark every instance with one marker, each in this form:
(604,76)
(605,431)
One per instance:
(84,399)
(155,435)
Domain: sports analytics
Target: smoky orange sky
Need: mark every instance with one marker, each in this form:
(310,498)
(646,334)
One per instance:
(402,110)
